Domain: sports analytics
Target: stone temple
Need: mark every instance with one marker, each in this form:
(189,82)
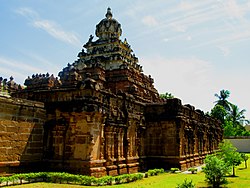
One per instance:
(101,116)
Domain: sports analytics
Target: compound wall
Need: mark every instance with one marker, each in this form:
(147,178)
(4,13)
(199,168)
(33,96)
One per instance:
(21,134)
(242,143)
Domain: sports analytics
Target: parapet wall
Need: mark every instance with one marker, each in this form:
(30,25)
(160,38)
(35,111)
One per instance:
(21,133)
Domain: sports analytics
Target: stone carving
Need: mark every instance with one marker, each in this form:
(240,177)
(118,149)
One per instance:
(42,81)
(9,86)
(90,38)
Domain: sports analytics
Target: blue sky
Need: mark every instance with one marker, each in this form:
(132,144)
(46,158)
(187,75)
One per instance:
(192,49)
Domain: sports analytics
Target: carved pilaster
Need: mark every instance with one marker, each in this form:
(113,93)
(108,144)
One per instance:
(102,142)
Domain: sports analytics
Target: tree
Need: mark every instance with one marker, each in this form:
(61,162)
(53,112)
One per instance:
(215,170)
(166,96)
(229,129)
(245,158)
(222,99)
(219,112)
(237,116)
(231,117)
(227,152)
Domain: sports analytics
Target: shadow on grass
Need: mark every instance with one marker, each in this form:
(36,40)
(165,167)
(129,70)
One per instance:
(231,176)
(241,168)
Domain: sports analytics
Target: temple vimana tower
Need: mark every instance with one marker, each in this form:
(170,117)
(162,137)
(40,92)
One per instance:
(101,116)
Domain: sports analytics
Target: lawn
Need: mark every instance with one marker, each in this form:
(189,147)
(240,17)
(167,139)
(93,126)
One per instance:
(165,180)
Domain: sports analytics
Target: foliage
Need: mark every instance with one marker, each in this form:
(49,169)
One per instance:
(237,116)
(154,172)
(62,177)
(222,99)
(215,170)
(219,112)
(193,170)
(227,152)
(106,180)
(231,117)
(245,158)
(173,170)
(166,96)
(186,184)
(229,130)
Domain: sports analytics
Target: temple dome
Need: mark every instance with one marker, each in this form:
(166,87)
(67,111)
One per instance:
(108,27)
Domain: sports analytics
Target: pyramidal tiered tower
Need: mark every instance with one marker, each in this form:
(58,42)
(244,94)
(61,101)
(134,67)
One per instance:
(104,116)
(111,63)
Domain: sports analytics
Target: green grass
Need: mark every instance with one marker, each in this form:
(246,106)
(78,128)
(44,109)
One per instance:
(166,180)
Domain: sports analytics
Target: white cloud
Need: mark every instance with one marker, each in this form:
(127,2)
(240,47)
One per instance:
(17,69)
(233,9)
(56,31)
(195,81)
(27,12)
(6,73)
(52,28)
(18,65)
(190,71)
(178,27)
(226,21)
(189,37)
(41,61)
(186,6)
(149,21)
(189,79)
(225,50)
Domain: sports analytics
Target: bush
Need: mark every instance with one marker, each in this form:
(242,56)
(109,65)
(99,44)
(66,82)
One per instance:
(155,172)
(88,180)
(2,179)
(62,177)
(186,184)
(173,170)
(135,177)
(106,180)
(193,170)
(215,170)
(118,179)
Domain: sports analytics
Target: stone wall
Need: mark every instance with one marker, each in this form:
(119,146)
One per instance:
(178,135)
(21,134)
(93,133)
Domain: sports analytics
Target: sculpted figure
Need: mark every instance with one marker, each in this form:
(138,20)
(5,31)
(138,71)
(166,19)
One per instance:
(5,84)
(1,80)
(90,38)
(57,83)
(11,83)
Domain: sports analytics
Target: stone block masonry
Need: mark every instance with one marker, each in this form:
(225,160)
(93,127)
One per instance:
(21,134)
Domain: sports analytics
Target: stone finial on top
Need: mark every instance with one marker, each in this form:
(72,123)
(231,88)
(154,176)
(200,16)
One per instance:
(109,13)
(108,28)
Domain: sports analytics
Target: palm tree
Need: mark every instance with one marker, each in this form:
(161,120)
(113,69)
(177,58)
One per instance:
(237,116)
(222,99)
